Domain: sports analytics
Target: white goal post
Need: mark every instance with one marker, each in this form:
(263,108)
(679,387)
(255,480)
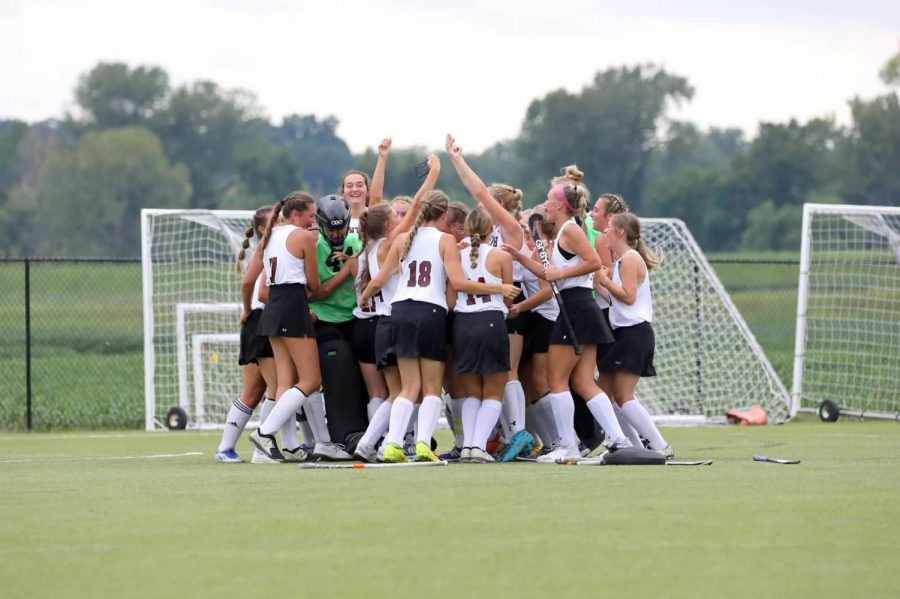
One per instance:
(847,340)
(707,360)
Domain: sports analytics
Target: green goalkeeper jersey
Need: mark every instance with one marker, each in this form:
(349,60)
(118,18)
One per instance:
(337,307)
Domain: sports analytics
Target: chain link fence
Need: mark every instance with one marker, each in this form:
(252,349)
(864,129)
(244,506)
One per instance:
(72,331)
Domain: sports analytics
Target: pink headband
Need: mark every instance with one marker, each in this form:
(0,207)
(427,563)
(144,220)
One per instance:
(558,191)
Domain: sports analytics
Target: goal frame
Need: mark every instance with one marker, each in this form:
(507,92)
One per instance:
(809,211)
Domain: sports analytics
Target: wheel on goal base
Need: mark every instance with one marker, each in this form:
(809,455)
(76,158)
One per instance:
(176,419)
(829,411)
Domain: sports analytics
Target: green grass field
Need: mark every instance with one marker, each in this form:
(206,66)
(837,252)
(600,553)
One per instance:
(110,515)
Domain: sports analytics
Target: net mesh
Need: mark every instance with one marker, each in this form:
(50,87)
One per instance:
(707,360)
(852,333)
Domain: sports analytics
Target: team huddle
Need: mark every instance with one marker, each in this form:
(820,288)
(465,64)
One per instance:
(501,318)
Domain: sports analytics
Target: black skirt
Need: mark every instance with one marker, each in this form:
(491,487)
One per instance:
(632,352)
(418,330)
(363,341)
(537,337)
(384,348)
(480,343)
(586,318)
(287,313)
(253,345)
(519,324)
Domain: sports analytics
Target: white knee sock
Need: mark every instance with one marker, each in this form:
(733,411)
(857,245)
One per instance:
(514,407)
(286,407)
(412,427)
(564,415)
(488,414)
(378,425)
(289,433)
(429,412)
(265,409)
(470,408)
(309,437)
(238,416)
(602,411)
(315,414)
(401,413)
(373,406)
(640,419)
(633,437)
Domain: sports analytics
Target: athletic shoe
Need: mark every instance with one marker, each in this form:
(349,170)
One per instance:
(559,454)
(480,456)
(465,455)
(425,454)
(501,449)
(452,455)
(331,452)
(228,457)
(410,450)
(394,453)
(295,455)
(584,450)
(667,451)
(612,446)
(521,442)
(266,444)
(366,453)
(261,458)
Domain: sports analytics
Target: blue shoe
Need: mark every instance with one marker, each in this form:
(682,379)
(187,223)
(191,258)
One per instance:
(452,455)
(228,457)
(521,442)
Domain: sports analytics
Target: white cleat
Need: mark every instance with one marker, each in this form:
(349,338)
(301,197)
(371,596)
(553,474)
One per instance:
(480,456)
(366,453)
(261,458)
(560,455)
(331,452)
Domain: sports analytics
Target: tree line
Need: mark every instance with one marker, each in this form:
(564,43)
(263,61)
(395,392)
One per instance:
(76,185)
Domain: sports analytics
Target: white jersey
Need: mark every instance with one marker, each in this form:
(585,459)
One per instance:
(466,302)
(623,315)
(561,262)
(518,272)
(531,285)
(282,267)
(354,226)
(255,304)
(422,276)
(380,303)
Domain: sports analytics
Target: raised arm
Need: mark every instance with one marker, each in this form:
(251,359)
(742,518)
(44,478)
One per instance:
(376,192)
(434,170)
(512,232)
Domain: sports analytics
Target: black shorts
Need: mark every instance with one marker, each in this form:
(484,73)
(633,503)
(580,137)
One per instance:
(632,352)
(253,346)
(537,337)
(585,316)
(418,330)
(519,324)
(603,348)
(287,313)
(384,348)
(480,343)
(448,328)
(363,341)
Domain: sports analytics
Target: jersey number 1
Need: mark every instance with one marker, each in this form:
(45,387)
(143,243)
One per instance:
(273,265)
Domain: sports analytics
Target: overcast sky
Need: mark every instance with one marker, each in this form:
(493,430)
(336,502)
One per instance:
(416,69)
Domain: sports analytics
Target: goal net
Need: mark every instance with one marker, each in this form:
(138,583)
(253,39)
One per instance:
(847,343)
(191,311)
(707,360)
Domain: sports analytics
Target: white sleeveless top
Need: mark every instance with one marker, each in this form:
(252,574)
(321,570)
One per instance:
(255,304)
(623,315)
(531,285)
(380,303)
(561,262)
(466,303)
(422,276)
(282,267)
(518,272)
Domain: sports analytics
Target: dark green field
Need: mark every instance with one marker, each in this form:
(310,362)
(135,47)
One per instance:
(150,514)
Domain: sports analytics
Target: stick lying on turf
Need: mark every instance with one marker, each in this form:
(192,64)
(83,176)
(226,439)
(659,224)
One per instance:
(533,221)
(762,458)
(361,466)
(598,461)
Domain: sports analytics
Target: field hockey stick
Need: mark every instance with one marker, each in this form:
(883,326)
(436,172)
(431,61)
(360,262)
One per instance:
(533,221)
